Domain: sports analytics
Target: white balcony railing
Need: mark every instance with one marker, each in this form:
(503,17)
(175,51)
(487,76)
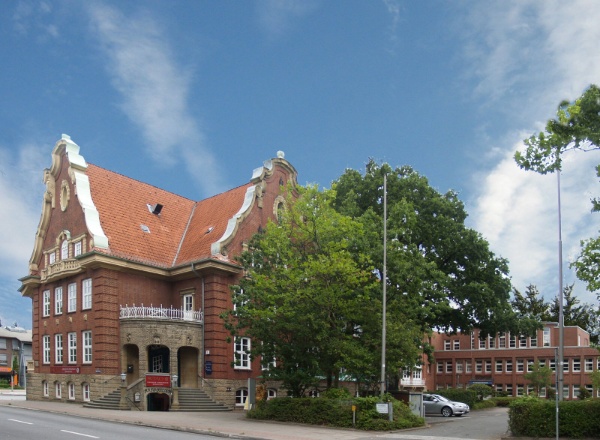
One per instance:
(412,382)
(151,312)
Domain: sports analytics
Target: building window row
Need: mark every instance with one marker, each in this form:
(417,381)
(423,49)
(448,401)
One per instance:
(522,365)
(85,390)
(86,298)
(86,338)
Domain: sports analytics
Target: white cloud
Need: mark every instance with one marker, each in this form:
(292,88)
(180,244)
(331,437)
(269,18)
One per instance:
(155,91)
(276,16)
(549,51)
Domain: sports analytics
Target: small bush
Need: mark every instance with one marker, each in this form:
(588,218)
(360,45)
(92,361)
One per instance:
(503,401)
(484,404)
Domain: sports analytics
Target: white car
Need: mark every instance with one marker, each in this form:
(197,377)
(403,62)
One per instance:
(436,404)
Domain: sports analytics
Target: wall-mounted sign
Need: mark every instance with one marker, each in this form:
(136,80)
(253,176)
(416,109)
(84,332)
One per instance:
(64,370)
(208,367)
(158,380)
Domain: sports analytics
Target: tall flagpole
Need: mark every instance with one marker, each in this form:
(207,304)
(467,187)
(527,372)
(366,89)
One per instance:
(384,280)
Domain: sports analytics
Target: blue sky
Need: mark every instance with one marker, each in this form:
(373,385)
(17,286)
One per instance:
(191,96)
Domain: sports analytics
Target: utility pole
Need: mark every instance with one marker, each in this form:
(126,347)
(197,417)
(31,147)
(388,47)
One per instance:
(384,282)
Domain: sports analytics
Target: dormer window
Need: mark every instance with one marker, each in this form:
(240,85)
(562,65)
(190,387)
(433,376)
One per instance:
(64,250)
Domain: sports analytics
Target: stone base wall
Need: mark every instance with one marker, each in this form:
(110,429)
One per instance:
(223,390)
(100,385)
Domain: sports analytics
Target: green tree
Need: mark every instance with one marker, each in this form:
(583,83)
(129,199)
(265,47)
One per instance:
(540,377)
(441,274)
(531,304)
(595,379)
(576,127)
(574,313)
(311,300)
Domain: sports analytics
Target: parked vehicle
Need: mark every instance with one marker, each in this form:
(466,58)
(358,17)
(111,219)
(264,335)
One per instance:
(436,404)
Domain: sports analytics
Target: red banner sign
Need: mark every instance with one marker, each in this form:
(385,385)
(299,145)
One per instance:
(64,370)
(158,380)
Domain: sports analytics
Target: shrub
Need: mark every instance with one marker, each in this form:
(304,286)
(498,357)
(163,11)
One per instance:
(336,412)
(503,401)
(484,404)
(481,390)
(533,417)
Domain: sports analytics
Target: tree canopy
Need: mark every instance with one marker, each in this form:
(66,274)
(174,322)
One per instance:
(442,274)
(576,127)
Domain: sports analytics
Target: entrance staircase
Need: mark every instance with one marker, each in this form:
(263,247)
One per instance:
(110,401)
(193,399)
(190,399)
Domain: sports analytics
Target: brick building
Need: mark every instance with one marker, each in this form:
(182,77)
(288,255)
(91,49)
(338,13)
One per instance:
(128,280)
(501,361)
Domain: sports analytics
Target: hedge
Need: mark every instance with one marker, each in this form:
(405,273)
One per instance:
(336,413)
(533,417)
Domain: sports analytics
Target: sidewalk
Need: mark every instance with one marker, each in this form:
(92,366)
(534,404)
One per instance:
(232,424)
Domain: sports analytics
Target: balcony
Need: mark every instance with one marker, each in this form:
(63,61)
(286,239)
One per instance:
(160,313)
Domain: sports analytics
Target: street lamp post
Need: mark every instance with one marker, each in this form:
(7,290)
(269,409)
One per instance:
(384,282)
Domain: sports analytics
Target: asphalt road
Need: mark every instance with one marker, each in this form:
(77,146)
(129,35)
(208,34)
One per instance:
(22,424)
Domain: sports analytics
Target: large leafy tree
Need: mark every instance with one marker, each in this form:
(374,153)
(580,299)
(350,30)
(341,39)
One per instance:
(576,313)
(576,127)
(441,274)
(311,300)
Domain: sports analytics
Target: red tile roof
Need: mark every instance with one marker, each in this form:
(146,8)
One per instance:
(176,236)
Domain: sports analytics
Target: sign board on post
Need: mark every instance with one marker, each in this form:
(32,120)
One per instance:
(382,408)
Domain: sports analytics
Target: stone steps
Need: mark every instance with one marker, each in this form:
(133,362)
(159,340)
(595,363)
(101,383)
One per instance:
(193,399)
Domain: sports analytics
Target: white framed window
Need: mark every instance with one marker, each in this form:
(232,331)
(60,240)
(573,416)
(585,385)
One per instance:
(85,392)
(72,337)
(492,342)
(71,387)
(459,367)
(488,366)
(520,365)
(509,389)
(472,341)
(240,396)
(589,365)
(552,364)
(546,337)
(529,365)
(449,367)
(576,365)
(482,343)
(58,301)
(241,354)
(72,297)
(52,257)
(468,367)
(509,365)
(502,340)
(86,337)
(566,392)
(533,341)
(46,303)
(45,388)
(543,392)
(520,390)
(457,344)
(566,365)
(499,366)
(77,248)
(86,294)
(523,342)
(64,250)
(58,348)
(440,367)
(512,342)
(447,345)
(576,391)
(57,390)
(46,349)
(478,366)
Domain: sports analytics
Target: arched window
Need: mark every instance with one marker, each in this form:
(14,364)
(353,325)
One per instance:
(45,388)
(71,387)
(64,250)
(57,390)
(240,396)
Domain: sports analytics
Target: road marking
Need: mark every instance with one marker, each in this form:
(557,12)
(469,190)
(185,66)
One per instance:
(79,433)
(20,421)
